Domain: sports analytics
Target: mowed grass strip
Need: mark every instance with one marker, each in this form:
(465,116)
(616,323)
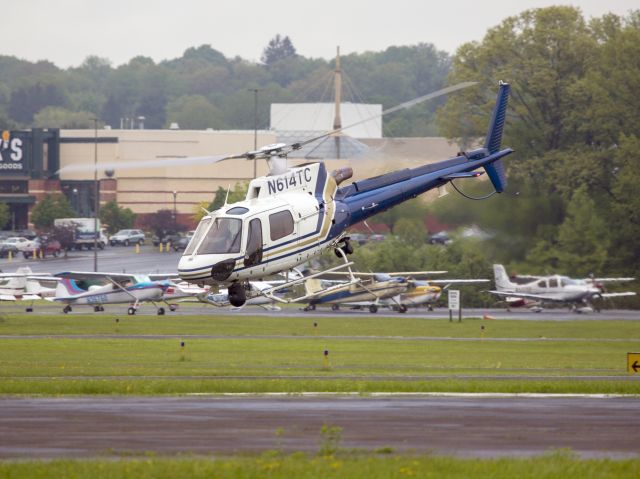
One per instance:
(354,466)
(165,366)
(354,325)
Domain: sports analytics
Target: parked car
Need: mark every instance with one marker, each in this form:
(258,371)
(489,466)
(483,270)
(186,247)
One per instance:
(439,238)
(359,238)
(49,247)
(183,242)
(19,242)
(6,248)
(127,237)
(167,238)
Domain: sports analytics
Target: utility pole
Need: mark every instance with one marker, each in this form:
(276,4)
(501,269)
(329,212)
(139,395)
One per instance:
(96,199)
(255,128)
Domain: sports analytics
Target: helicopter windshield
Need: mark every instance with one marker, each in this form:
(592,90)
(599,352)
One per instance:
(197,236)
(223,237)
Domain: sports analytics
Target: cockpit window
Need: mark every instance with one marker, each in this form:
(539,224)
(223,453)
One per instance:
(237,210)
(197,236)
(223,237)
(553,283)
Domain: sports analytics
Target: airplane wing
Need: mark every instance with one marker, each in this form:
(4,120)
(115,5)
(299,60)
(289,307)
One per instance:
(117,277)
(457,281)
(609,280)
(161,276)
(360,274)
(526,295)
(7,297)
(617,295)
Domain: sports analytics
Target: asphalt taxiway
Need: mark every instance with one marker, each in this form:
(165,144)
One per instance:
(484,426)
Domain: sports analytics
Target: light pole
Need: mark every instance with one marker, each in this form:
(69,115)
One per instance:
(175,212)
(75,200)
(255,127)
(96,200)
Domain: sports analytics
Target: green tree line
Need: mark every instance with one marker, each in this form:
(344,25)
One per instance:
(204,89)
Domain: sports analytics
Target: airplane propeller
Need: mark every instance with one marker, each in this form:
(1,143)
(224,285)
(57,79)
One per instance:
(275,154)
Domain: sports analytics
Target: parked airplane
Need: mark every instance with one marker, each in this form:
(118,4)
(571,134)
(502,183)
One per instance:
(23,285)
(120,288)
(369,291)
(221,298)
(427,293)
(579,293)
(398,291)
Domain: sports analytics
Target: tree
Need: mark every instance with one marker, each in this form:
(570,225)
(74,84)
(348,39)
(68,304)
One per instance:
(50,208)
(278,49)
(115,217)
(58,117)
(162,222)
(66,235)
(4,214)
(193,112)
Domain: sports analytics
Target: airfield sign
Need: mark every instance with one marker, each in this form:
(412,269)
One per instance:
(454,299)
(454,304)
(633,363)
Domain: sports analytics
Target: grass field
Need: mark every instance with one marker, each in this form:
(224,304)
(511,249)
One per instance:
(300,466)
(94,354)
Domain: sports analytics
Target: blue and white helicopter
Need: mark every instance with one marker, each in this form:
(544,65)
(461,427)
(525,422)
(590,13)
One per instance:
(295,214)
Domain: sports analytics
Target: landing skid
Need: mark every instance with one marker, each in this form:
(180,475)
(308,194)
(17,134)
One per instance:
(270,293)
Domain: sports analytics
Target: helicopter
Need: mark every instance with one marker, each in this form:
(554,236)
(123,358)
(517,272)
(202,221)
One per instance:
(297,213)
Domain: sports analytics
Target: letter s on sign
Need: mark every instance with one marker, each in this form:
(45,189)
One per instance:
(16,149)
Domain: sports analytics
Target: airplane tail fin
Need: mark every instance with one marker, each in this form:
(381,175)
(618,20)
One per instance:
(67,287)
(312,286)
(495,170)
(502,280)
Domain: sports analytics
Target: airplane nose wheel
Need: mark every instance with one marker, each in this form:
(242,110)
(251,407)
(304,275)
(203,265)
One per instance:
(131,311)
(160,311)
(66,309)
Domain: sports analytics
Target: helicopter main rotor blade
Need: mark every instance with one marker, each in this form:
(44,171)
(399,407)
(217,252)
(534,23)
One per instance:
(401,106)
(156,163)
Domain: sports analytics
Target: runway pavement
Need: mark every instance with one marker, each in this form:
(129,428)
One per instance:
(482,426)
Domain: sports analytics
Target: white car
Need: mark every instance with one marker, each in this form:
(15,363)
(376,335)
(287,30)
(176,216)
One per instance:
(20,242)
(127,237)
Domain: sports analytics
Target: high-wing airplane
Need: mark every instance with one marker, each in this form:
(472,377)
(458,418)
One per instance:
(120,288)
(371,291)
(427,293)
(398,291)
(221,298)
(297,213)
(579,293)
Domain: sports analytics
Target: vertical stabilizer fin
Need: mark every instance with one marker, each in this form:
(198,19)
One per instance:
(495,170)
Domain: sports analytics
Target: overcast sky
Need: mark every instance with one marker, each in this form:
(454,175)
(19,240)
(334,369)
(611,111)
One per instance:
(67,31)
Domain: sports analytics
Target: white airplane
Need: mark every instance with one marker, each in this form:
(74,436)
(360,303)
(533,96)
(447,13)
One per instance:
(120,288)
(256,298)
(23,285)
(579,293)
(295,214)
